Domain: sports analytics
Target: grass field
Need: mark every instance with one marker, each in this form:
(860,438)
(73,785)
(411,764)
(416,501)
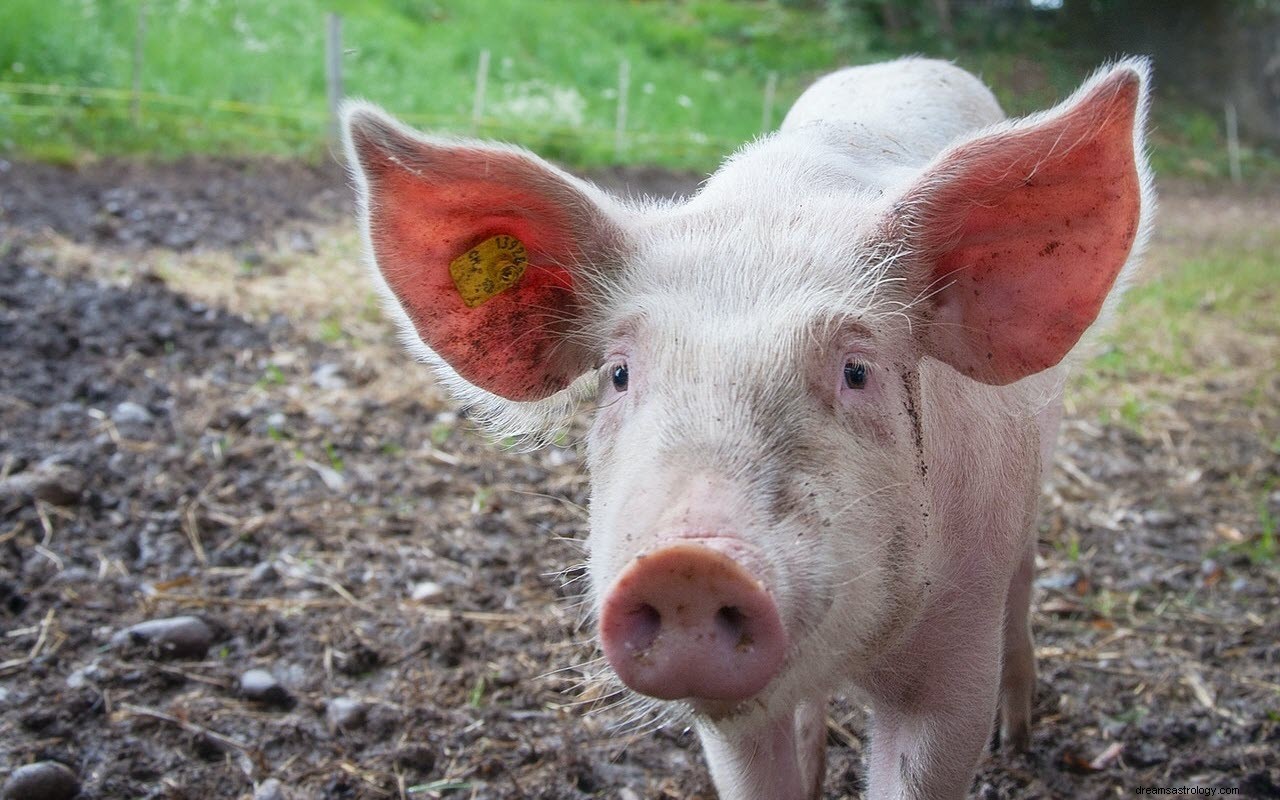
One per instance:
(247,77)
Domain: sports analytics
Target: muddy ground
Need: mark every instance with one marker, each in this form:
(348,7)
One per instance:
(181,433)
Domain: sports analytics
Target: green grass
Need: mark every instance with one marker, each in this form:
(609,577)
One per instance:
(254,72)
(1160,330)
(243,77)
(1183,327)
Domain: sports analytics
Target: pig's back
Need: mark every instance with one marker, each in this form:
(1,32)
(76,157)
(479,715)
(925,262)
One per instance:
(914,106)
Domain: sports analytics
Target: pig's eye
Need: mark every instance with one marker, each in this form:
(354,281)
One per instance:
(855,375)
(620,377)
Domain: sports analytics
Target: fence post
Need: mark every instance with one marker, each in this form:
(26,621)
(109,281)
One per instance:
(333,75)
(1233,143)
(139,38)
(620,127)
(770,89)
(482,83)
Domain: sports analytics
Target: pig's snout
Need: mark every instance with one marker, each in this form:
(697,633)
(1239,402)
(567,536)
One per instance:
(687,621)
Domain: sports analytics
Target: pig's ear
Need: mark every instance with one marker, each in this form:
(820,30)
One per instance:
(1025,228)
(486,249)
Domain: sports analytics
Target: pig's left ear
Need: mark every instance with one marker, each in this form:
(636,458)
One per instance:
(488,250)
(1023,230)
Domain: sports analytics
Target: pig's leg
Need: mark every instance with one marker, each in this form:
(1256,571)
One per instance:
(1018,674)
(932,709)
(785,760)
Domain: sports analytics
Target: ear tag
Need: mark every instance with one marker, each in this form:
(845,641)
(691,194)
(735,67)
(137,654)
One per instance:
(488,269)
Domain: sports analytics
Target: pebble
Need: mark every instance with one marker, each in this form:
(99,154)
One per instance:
(329,376)
(263,572)
(1159,518)
(988,792)
(1147,753)
(57,485)
(427,591)
(173,637)
(84,676)
(345,713)
(261,686)
(270,789)
(43,780)
(131,413)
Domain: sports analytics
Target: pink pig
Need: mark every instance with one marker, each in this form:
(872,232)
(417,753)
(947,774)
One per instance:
(825,392)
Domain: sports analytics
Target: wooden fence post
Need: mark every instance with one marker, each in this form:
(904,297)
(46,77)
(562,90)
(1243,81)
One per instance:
(333,76)
(1233,143)
(620,126)
(139,38)
(770,89)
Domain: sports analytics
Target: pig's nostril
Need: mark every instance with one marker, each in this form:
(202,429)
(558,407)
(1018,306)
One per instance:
(644,624)
(731,624)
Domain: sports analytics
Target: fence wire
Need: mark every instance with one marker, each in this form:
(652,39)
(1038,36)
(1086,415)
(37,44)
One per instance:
(196,121)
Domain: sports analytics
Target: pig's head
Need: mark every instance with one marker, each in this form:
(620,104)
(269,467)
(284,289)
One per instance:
(761,506)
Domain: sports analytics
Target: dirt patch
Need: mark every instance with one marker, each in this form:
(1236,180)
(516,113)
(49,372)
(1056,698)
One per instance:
(402,582)
(215,203)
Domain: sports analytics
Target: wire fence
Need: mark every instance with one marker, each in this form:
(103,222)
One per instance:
(113,119)
(194,121)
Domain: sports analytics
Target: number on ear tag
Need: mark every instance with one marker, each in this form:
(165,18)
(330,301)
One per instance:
(488,269)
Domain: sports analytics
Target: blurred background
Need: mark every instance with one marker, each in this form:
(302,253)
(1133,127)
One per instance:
(248,549)
(596,81)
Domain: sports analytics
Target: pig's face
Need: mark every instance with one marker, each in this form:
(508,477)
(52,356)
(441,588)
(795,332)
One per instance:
(761,396)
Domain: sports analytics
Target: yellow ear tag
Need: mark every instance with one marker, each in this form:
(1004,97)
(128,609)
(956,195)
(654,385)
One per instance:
(488,269)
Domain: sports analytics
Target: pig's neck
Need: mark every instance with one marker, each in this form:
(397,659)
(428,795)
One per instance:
(984,445)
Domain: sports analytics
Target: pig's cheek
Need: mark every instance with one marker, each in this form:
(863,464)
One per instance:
(871,427)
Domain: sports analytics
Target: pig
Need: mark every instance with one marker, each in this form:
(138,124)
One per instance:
(825,391)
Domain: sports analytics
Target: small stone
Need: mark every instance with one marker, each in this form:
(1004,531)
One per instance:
(322,417)
(559,456)
(43,780)
(270,789)
(53,484)
(131,413)
(1147,753)
(263,573)
(427,591)
(345,713)
(84,676)
(1159,518)
(301,241)
(1058,581)
(329,376)
(173,637)
(261,686)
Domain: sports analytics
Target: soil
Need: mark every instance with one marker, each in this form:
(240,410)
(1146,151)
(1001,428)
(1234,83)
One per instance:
(409,588)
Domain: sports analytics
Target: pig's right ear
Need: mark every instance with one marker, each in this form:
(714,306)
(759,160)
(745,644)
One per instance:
(486,248)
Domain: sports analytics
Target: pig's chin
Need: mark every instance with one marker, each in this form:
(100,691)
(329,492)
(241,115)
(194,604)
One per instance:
(722,710)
